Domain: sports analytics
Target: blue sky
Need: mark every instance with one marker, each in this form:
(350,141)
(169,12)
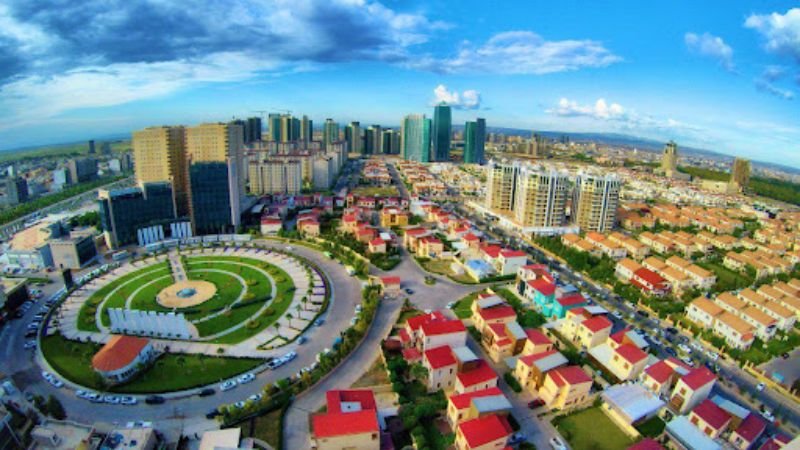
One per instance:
(719,75)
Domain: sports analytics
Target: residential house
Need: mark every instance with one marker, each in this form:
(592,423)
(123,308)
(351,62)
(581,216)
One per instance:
(351,422)
(442,368)
(710,418)
(532,368)
(691,389)
(463,407)
(483,433)
(566,387)
(477,376)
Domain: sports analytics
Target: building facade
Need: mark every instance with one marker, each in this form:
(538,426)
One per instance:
(160,156)
(416,138)
(595,202)
(442,128)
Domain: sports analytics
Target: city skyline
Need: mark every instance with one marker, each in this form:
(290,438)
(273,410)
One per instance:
(724,81)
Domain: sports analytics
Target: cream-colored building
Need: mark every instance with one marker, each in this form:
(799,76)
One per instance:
(565,387)
(500,180)
(159,155)
(595,202)
(275,176)
(540,199)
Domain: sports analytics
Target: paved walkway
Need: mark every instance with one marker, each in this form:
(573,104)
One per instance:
(175,263)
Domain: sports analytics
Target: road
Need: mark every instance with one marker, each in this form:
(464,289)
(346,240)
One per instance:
(176,413)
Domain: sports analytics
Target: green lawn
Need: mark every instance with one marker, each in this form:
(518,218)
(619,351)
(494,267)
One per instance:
(268,427)
(442,267)
(652,427)
(372,191)
(727,280)
(462,307)
(72,360)
(592,429)
(86,316)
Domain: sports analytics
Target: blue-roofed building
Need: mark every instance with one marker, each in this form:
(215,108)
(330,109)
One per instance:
(479,269)
(687,436)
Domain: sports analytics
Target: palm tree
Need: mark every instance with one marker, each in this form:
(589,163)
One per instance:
(290,317)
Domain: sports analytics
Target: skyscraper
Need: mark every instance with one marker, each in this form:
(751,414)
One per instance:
(501,180)
(275,176)
(416,138)
(595,202)
(740,174)
(474,141)
(91,147)
(540,197)
(352,135)
(274,122)
(252,130)
(138,214)
(82,170)
(306,130)
(160,156)
(330,133)
(669,159)
(372,140)
(214,149)
(390,142)
(442,129)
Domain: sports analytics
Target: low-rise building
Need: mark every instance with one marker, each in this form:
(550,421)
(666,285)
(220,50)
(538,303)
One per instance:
(122,357)
(462,407)
(710,418)
(565,387)
(483,433)
(691,389)
(350,422)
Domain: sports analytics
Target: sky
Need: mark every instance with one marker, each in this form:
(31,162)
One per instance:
(712,74)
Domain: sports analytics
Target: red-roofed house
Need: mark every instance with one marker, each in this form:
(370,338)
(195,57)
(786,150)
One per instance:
(710,418)
(483,433)
(491,253)
(271,225)
(537,342)
(412,355)
(503,339)
(565,386)
(351,422)
(658,378)
(479,376)
(748,432)
(593,331)
(390,284)
(509,261)
(499,313)
(462,407)
(429,247)
(691,389)
(646,444)
(776,442)
(442,368)
(411,237)
(122,357)
(650,282)
(471,241)
(437,333)
(531,369)
(377,245)
(628,361)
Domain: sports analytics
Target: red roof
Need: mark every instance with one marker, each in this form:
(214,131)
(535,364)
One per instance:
(619,336)
(660,371)
(537,337)
(344,424)
(364,397)
(712,414)
(572,299)
(571,375)
(528,360)
(376,242)
(416,231)
(440,357)
(270,221)
(484,430)
(479,374)
(118,352)
(513,254)
(411,354)
(777,442)
(415,322)
(597,323)
(404,337)
(543,286)
(751,428)
(462,401)
(431,240)
(497,312)
(698,378)
(631,353)
(349,218)
(492,251)
(443,327)
(470,237)
(390,280)
(649,276)
(646,444)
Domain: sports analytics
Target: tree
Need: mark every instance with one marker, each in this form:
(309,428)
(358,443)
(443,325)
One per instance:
(419,372)
(289,316)
(55,409)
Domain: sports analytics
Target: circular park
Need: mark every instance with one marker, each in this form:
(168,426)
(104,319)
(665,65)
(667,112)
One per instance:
(196,315)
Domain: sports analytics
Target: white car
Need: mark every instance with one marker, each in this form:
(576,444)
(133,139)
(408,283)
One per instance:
(685,348)
(557,444)
(246,378)
(713,356)
(112,399)
(450,305)
(30,344)
(80,393)
(227,386)
(128,400)
(240,404)
(767,414)
(256,397)
(760,387)
(617,314)
(688,361)
(55,382)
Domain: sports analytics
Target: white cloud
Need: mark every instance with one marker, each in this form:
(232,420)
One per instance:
(469,99)
(711,46)
(601,110)
(781,31)
(765,85)
(522,52)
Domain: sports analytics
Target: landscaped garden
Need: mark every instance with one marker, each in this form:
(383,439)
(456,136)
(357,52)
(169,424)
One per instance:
(591,429)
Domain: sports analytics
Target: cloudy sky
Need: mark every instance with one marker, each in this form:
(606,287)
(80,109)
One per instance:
(715,74)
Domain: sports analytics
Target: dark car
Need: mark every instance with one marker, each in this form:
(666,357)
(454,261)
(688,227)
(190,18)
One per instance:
(785,356)
(641,313)
(671,351)
(533,404)
(206,392)
(213,413)
(671,330)
(154,400)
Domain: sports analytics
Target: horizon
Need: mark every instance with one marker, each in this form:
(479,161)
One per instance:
(722,82)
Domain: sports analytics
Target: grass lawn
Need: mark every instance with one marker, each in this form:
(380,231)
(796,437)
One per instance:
(462,307)
(652,428)
(372,191)
(727,280)
(407,314)
(72,360)
(592,429)
(268,427)
(442,267)
(758,354)
(86,316)
(374,376)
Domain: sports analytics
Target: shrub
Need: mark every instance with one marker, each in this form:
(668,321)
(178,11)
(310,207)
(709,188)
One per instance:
(512,382)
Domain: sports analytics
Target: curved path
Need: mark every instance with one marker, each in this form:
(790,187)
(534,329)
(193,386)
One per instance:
(101,307)
(186,414)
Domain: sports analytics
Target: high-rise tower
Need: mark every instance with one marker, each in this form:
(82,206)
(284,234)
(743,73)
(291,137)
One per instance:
(159,155)
(669,159)
(442,129)
(595,202)
(416,138)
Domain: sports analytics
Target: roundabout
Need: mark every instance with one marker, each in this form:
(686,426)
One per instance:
(207,313)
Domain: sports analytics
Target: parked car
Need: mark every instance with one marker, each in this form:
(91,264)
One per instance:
(246,378)
(128,400)
(240,404)
(617,314)
(255,397)
(206,392)
(685,348)
(227,386)
(212,414)
(516,438)
(154,400)
(556,444)
(319,322)
(760,387)
(533,404)
(767,414)
(112,399)
(302,340)
(712,356)
(670,351)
